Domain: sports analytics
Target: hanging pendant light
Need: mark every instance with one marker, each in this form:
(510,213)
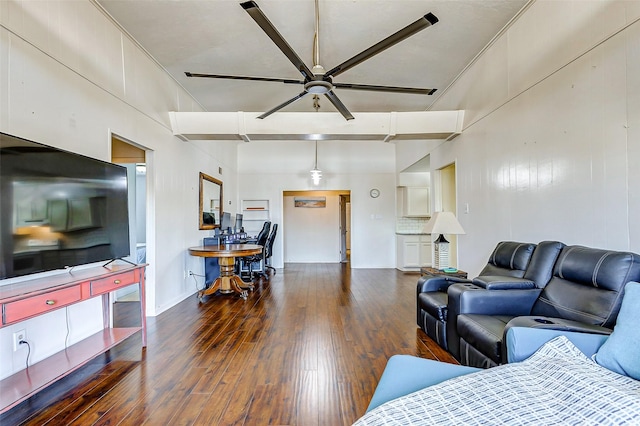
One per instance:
(316,174)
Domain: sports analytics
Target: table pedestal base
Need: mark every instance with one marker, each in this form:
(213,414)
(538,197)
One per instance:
(227,282)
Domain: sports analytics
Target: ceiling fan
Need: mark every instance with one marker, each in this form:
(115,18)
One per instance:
(317,81)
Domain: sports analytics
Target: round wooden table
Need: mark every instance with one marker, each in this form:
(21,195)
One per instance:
(228,281)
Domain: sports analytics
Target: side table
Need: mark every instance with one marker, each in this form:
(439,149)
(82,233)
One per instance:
(438,273)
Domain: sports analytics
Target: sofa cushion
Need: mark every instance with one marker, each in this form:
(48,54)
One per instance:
(484,332)
(540,269)
(587,285)
(522,342)
(435,303)
(405,374)
(509,258)
(617,352)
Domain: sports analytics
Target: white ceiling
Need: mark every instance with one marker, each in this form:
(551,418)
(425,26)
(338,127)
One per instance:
(219,37)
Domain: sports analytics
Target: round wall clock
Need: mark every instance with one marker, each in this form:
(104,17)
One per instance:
(374,193)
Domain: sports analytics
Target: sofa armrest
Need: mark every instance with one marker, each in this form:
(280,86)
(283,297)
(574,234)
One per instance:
(428,283)
(496,282)
(471,299)
(557,324)
(522,342)
(405,374)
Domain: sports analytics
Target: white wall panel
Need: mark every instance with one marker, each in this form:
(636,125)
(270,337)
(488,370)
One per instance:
(98,50)
(552,33)
(553,162)
(62,82)
(146,88)
(484,89)
(633,131)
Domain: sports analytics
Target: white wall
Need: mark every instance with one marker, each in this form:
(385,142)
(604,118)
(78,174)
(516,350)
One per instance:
(68,78)
(313,234)
(266,169)
(551,141)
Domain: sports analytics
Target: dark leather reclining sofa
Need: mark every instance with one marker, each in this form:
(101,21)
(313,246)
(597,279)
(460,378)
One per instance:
(548,285)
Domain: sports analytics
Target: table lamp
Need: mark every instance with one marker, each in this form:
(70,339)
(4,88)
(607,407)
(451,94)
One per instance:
(442,223)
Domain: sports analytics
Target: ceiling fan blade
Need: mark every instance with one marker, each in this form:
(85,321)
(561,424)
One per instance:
(240,77)
(261,19)
(374,88)
(422,23)
(282,105)
(339,105)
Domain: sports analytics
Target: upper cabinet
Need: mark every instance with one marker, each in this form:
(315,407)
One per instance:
(415,201)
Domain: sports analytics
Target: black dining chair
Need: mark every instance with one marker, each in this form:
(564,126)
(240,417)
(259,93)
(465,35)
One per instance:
(269,248)
(258,258)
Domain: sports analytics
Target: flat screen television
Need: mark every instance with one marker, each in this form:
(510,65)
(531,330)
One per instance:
(238,224)
(58,209)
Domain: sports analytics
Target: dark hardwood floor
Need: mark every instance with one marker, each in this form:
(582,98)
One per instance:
(306,348)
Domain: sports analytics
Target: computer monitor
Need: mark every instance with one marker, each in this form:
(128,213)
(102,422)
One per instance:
(238,224)
(225,222)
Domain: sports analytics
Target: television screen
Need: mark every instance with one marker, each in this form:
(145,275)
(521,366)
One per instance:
(238,224)
(58,209)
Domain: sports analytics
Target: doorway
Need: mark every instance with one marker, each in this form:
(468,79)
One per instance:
(316,226)
(445,200)
(345,228)
(133,159)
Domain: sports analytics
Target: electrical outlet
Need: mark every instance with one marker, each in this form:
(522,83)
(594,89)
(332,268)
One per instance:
(18,336)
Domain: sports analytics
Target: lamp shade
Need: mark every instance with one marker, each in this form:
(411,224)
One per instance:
(443,223)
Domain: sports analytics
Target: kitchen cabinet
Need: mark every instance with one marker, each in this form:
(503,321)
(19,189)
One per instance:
(416,201)
(413,252)
(30,212)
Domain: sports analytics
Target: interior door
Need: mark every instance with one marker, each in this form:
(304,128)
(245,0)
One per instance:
(343,229)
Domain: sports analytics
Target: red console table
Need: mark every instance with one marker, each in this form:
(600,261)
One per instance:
(28,299)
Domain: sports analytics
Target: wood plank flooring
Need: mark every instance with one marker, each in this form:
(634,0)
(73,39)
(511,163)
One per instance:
(306,348)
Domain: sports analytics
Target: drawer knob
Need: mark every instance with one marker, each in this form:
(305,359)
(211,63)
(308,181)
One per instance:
(50,302)
(116,281)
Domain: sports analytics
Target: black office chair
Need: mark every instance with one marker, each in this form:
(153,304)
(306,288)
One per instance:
(261,241)
(269,249)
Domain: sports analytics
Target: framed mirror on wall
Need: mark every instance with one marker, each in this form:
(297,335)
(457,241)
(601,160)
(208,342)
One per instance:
(210,210)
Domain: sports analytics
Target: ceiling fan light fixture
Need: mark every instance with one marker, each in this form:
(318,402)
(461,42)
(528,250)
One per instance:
(318,87)
(316,175)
